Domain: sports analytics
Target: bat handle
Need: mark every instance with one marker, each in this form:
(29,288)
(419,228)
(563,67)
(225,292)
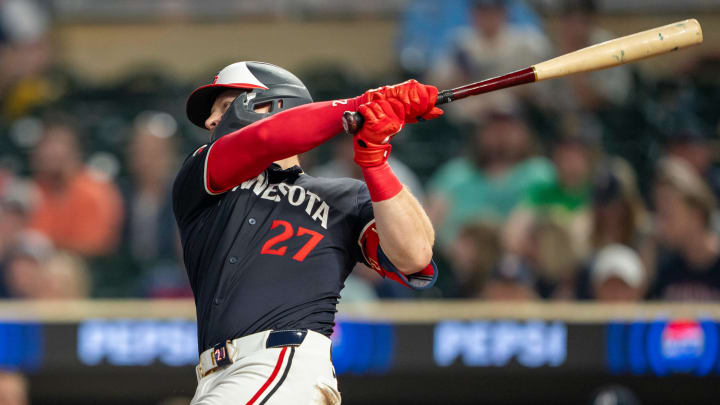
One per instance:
(353,121)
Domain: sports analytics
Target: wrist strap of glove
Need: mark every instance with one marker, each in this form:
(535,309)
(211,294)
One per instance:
(368,154)
(381,182)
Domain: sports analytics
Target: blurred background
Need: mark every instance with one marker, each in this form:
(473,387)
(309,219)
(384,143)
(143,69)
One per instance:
(576,219)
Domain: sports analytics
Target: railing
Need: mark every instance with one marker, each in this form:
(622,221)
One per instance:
(427,311)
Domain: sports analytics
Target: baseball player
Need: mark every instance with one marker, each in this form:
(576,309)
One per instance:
(267,247)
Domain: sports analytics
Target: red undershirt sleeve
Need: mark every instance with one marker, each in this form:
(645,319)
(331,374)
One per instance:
(245,153)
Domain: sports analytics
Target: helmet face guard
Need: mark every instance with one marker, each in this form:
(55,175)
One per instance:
(241,112)
(264,84)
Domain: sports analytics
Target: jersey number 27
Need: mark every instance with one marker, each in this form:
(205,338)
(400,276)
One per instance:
(287,233)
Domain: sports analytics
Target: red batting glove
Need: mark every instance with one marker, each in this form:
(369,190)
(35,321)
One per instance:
(373,95)
(383,119)
(418,99)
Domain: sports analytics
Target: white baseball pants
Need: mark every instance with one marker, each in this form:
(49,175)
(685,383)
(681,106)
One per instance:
(281,375)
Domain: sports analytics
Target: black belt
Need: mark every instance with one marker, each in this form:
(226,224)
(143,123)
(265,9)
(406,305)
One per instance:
(286,337)
(276,338)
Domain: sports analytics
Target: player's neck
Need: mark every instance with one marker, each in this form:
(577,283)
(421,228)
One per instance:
(288,162)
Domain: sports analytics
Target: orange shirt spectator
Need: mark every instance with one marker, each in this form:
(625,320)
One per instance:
(84,218)
(77,209)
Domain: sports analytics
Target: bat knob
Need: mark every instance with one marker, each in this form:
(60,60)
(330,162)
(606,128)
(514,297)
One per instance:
(352,122)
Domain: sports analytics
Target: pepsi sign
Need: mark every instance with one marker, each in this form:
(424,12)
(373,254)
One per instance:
(497,343)
(663,347)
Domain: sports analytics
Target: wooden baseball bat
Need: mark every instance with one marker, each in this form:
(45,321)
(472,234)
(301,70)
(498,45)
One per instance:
(618,51)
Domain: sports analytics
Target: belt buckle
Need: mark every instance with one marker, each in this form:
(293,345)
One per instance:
(221,354)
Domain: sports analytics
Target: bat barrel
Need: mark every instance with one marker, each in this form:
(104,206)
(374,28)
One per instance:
(623,50)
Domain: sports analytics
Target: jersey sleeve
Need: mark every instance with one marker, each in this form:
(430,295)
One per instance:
(190,194)
(369,251)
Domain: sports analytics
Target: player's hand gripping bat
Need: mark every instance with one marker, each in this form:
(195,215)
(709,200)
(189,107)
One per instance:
(641,45)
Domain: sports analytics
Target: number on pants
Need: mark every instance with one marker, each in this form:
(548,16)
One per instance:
(287,233)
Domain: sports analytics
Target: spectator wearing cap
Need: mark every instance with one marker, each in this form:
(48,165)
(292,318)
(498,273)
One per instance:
(688,263)
(510,280)
(489,47)
(500,167)
(618,275)
(78,209)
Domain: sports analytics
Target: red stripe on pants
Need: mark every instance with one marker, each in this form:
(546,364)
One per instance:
(269,381)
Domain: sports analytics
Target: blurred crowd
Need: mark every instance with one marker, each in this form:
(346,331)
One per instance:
(601,186)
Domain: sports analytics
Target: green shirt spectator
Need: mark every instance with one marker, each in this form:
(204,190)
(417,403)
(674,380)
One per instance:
(485,185)
(471,193)
(558,201)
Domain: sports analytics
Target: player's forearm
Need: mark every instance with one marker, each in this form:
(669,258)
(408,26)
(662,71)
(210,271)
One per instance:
(245,153)
(405,232)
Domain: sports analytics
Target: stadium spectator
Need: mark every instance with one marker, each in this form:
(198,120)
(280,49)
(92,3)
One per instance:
(13,388)
(150,238)
(490,47)
(618,217)
(16,203)
(549,255)
(472,256)
(586,92)
(428,27)
(26,59)
(618,211)
(500,168)
(78,209)
(688,263)
(510,280)
(618,275)
(35,270)
(25,276)
(694,143)
(564,200)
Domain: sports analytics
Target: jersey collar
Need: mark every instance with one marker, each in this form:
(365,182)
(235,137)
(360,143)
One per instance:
(277,175)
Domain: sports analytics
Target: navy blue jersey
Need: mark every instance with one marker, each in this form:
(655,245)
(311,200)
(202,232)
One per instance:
(272,253)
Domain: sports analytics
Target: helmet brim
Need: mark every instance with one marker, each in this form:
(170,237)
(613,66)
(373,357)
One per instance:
(200,101)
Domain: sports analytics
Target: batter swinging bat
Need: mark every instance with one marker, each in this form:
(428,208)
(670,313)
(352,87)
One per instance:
(615,52)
